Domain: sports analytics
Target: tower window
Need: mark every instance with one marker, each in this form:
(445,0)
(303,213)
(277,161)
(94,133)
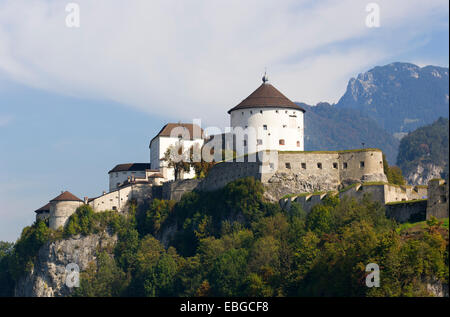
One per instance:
(319,165)
(345,165)
(276,111)
(361,164)
(251,112)
(265,127)
(304,166)
(258,142)
(242,112)
(260,111)
(288,165)
(245,142)
(281,142)
(298,143)
(284,126)
(335,165)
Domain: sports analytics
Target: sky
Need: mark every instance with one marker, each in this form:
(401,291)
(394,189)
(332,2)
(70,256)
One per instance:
(76,101)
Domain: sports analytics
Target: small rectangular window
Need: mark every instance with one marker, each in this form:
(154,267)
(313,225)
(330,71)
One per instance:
(335,165)
(298,143)
(258,142)
(361,164)
(304,166)
(245,142)
(345,165)
(260,111)
(265,127)
(272,166)
(319,165)
(281,142)
(288,165)
(284,126)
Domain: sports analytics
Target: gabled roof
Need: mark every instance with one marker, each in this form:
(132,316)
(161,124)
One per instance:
(43,209)
(266,96)
(130,167)
(167,130)
(66,196)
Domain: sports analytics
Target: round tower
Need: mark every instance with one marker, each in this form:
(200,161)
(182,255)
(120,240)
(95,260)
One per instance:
(268,120)
(61,208)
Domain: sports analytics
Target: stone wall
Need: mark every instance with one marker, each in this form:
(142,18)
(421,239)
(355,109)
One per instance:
(300,172)
(174,190)
(410,211)
(60,211)
(225,172)
(437,199)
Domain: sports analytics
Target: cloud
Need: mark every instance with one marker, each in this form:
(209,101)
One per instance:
(197,59)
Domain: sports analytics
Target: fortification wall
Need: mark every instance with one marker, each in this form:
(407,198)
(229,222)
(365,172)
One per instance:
(362,165)
(437,199)
(118,199)
(223,173)
(42,216)
(410,211)
(174,190)
(60,211)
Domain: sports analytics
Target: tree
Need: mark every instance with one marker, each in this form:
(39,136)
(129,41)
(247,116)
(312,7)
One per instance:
(178,159)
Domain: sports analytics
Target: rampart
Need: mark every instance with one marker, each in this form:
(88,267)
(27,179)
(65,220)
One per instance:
(437,199)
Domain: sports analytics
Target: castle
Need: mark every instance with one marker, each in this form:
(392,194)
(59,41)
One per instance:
(267,136)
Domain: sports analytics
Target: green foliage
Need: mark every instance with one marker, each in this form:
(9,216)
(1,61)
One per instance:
(393,173)
(85,221)
(102,279)
(234,243)
(429,144)
(6,280)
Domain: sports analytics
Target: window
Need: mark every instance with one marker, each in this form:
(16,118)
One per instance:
(345,165)
(298,143)
(319,165)
(258,142)
(284,126)
(288,165)
(265,127)
(286,111)
(242,112)
(281,142)
(276,111)
(443,199)
(272,166)
(335,165)
(361,164)
(260,111)
(251,112)
(304,166)
(114,208)
(245,142)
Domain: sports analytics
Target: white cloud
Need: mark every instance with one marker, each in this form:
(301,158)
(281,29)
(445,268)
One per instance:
(188,59)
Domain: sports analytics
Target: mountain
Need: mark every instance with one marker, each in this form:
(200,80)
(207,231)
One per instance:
(400,97)
(423,153)
(328,127)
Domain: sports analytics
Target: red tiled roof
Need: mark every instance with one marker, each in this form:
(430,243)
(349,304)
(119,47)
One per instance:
(66,196)
(266,96)
(156,175)
(130,167)
(43,209)
(167,130)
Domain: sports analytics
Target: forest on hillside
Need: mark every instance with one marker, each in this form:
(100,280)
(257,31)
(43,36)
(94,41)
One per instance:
(426,145)
(234,243)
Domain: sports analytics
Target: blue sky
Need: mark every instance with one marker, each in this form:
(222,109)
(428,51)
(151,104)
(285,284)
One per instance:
(76,102)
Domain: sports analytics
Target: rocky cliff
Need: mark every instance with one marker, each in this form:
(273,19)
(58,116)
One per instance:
(48,276)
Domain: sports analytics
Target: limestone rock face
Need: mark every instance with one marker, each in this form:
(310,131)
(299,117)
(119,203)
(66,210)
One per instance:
(281,184)
(48,276)
(422,174)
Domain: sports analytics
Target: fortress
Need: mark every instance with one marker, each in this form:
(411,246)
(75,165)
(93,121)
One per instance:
(267,137)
